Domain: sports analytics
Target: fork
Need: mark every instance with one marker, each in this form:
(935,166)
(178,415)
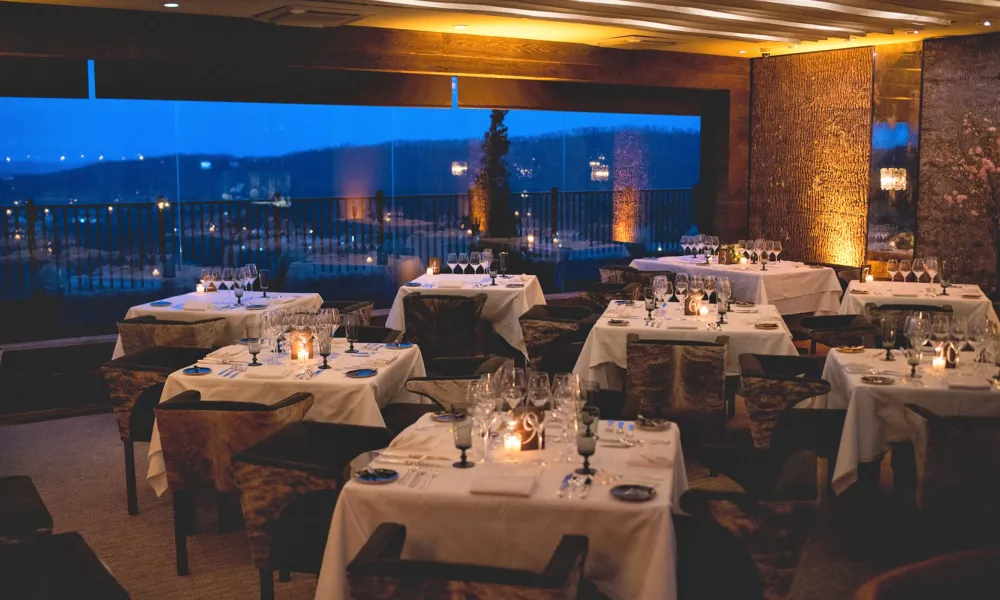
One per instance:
(236,371)
(432,473)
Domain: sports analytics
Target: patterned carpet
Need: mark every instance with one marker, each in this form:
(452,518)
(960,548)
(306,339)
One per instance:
(76,464)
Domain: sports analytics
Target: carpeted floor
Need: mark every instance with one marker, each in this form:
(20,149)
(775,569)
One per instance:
(76,464)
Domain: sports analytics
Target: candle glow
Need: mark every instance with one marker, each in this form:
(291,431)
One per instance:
(512,442)
(869,278)
(303,354)
(199,288)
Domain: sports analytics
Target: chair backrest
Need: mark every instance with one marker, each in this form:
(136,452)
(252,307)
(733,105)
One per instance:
(444,325)
(199,438)
(540,328)
(362,307)
(771,385)
(616,273)
(377,573)
(679,380)
(451,391)
(957,458)
(146,332)
(897,313)
(599,295)
(372,334)
(968,574)
(645,278)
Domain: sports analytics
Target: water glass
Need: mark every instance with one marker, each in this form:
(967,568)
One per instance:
(254,346)
(352,327)
(586,437)
(888,330)
(264,281)
(474,261)
(462,430)
(539,392)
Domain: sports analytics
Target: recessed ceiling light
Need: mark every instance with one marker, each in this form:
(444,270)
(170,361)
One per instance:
(986,23)
(742,52)
(171,5)
(460,26)
(914,32)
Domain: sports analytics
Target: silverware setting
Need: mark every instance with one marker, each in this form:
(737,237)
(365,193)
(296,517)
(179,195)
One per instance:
(308,373)
(233,371)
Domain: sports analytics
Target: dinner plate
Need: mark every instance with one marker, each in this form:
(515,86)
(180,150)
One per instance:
(515,285)
(412,284)
(618,322)
(376,476)
(160,303)
(444,416)
(633,492)
(398,345)
(972,296)
(255,307)
(647,424)
(361,373)
(765,325)
(860,292)
(851,349)
(197,370)
(877,380)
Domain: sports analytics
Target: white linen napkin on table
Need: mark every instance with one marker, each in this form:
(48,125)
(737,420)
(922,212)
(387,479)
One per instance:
(905,294)
(450,284)
(415,439)
(515,483)
(650,460)
(968,383)
(268,372)
(199,305)
(680,325)
(273,300)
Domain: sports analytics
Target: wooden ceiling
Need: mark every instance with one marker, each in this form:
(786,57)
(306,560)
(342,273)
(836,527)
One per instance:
(735,27)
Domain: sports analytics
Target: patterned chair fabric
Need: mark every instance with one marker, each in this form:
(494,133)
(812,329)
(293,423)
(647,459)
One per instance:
(445,325)
(599,295)
(772,531)
(377,573)
(453,376)
(645,278)
(146,332)
(362,307)
(200,438)
(955,459)
(668,378)
(616,274)
(23,515)
(771,385)
(543,324)
(839,330)
(967,574)
(297,460)
(897,313)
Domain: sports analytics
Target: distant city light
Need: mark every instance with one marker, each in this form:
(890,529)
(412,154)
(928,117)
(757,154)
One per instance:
(459,168)
(101,157)
(62,158)
(141,157)
(81,156)
(8,159)
(206,165)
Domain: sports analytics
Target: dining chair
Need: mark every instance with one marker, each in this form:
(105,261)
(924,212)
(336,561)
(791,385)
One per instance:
(23,515)
(289,483)
(616,273)
(372,334)
(704,550)
(364,309)
(897,313)
(645,278)
(445,325)
(135,384)
(378,572)
(967,574)
(546,328)
(838,330)
(680,380)
(56,566)
(144,332)
(199,439)
(598,296)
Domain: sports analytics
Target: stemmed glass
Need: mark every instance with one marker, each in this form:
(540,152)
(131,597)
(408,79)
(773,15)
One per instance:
(487,259)
(917,330)
(777,250)
(722,298)
(978,328)
(586,440)
(943,277)
(206,278)
(264,280)
(332,317)
(892,267)
(238,282)
(941,328)
(452,261)
(474,261)
(710,283)
(682,283)
(752,249)
(503,265)
(765,254)
(959,332)
(463,261)
(217,278)
(252,275)
(324,339)
(352,323)
(684,244)
(697,287)
(483,411)
(660,283)
(904,269)
(931,266)
(513,388)
(462,428)
(918,268)
(227,277)
(253,331)
(649,301)
(888,329)
(539,392)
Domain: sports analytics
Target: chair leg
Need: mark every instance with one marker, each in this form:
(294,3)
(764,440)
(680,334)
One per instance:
(284,576)
(266,584)
(183,517)
(130,491)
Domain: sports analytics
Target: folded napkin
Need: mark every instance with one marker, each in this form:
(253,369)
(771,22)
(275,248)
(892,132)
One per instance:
(199,305)
(905,294)
(268,372)
(272,300)
(650,460)
(494,483)
(450,284)
(415,440)
(673,325)
(226,352)
(970,383)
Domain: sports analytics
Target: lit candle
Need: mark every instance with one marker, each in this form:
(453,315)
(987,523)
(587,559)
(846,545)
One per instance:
(937,362)
(703,311)
(430,271)
(199,288)
(512,442)
(531,238)
(156,272)
(743,260)
(869,278)
(303,354)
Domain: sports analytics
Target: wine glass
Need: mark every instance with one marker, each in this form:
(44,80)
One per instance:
(904,269)
(514,388)
(765,255)
(941,328)
(264,280)
(452,261)
(254,346)
(659,288)
(217,277)
(943,276)
(252,274)
(918,268)
(228,275)
(777,250)
(463,261)
(913,356)
(539,392)
(487,259)
(741,248)
(917,330)
(978,328)
(697,286)
(710,283)
(888,330)
(586,439)
(324,340)
(462,429)
(892,267)
(352,326)
(649,302)
(331,317)
(682,283)
(206,278)
(238,283)
(474,261)
(931,266)
(959,331)
(684,244)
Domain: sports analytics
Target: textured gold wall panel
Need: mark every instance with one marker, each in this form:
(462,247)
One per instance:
(810,148)
(961,80)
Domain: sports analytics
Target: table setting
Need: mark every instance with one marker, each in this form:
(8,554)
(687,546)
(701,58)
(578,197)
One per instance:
(439,477)
(966,300)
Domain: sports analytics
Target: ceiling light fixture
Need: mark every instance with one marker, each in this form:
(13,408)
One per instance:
(171,5)
(742,52)
(986,23)
(460,26)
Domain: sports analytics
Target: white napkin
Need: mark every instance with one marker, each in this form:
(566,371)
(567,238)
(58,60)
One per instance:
(680,325)
(905,294)
(270,301)
(267,372)
(504,484)
(415,440)
(971,383)
(650,460)
(226,351)
(199,305)
(450,284)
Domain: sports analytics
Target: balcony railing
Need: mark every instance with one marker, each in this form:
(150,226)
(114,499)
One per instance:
(93,249)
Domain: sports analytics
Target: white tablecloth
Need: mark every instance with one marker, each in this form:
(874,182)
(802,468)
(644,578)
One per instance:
(631,554)
(792,287)
(236,318)
(503,305)
(876,414)
(885,292)
(604,351)
(337,398)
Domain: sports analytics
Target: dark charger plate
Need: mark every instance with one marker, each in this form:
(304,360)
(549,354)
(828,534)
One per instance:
(631,492)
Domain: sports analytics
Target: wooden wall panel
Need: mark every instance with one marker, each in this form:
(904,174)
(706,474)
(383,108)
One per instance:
(960,106)
(810,150)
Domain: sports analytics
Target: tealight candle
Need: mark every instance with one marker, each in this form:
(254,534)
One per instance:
(512,442)
(937,362)
(704,311)
(869,278)
(430,271)
(303,354)
(199,288)
(743,260)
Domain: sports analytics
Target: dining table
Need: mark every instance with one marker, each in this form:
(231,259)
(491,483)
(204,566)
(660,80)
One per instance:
(876,413)
(966,300)
(339,396)
(513,510)
(792,287)
(506,301)
(757,329)
(196,306)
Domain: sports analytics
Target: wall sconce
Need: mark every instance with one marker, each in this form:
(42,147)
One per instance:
(459,168)
(893,179)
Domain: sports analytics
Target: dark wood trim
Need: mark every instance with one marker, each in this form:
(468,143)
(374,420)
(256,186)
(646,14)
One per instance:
(34,77)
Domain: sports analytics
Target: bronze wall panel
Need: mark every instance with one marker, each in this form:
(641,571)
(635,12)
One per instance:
(810,150)
(961,87)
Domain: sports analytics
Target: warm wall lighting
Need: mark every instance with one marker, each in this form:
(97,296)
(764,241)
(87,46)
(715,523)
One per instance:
(742,52)
(893,179)
(459,168)
(986,23)
(460,26)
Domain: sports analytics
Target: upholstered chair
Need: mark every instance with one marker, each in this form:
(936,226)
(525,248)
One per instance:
(372,334)
(599,295)
(56,566)
(445,325)
(966,574)
(897,313)
(616,273)
(545,325)
(364,309)
(146,332)
(23,515)
(838,330)
(645,278)
(199,439)
(445,388)
(377,572)
(289,483)
(683,381)
(135,383)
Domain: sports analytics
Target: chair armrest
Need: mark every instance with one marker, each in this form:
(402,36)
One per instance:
(568,560)
(449,367)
